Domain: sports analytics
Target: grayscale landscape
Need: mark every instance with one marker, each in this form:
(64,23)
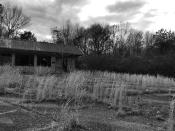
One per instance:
(87,65)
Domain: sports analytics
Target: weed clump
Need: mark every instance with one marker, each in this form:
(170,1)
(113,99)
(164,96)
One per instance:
(9,78)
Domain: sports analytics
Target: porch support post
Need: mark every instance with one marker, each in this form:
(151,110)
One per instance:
(13,59)
(35,60)
(53,63)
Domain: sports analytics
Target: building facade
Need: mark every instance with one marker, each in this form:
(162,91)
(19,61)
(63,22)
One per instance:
(33,54)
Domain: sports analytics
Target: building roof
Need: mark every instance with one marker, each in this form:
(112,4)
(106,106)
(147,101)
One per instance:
(39,47)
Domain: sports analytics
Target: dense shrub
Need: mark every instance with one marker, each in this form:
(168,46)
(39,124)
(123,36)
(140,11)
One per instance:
(162,64)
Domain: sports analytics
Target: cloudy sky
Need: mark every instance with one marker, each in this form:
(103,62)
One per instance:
(141,14)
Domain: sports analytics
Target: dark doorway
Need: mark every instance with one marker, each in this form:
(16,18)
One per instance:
(65,63)
(44,61)
(24,60)
(5,58)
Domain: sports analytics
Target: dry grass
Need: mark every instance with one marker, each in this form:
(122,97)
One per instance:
(109,88)
(67,118)
(52,87)
(170,123)
(39,71)
(9,78)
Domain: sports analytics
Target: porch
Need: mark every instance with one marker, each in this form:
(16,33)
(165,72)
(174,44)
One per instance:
(38,54)
(28,62)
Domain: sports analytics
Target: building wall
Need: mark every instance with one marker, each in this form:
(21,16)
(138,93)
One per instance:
(71,64)
(58,64)
(65,64)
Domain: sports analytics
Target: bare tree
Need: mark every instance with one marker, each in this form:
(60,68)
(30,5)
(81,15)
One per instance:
(13,20)
(64,34)
(1,14)
(81,39)
(57,35)
(148,39)
(120,33)
(135,42)
(71,34)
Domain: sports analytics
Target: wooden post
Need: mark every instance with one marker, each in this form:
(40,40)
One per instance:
(35,61)
(13,59)
(53,63)
(69,65)
(73,64)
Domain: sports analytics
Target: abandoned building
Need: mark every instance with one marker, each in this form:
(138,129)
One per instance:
(34,54)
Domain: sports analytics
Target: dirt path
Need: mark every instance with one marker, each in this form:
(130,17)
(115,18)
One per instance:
(132,126)
(97,117)
(18,100)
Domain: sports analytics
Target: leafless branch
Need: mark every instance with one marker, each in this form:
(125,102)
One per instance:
(14,19)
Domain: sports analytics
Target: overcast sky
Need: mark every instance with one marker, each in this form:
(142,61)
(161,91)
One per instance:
(142,14)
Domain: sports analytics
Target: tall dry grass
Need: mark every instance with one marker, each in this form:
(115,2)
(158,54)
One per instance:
(109,88)
(68,86)
(170,122)
(39,70)
(9,78)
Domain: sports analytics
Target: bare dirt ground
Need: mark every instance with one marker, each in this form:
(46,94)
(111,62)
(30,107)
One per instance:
(96,117)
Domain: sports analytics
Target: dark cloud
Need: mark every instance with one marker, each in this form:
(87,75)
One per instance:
(113,18)
(142,24)
(46,14)
(71,2)
(126,6)
(120,12)
(146,20)
(150,13)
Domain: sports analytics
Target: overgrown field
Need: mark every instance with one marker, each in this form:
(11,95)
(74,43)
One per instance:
(137,99)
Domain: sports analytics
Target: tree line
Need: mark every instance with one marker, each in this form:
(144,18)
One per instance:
(118,48)
(120,40)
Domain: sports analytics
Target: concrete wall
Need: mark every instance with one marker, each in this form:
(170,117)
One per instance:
(56,62)
(59,64)
(71,64)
